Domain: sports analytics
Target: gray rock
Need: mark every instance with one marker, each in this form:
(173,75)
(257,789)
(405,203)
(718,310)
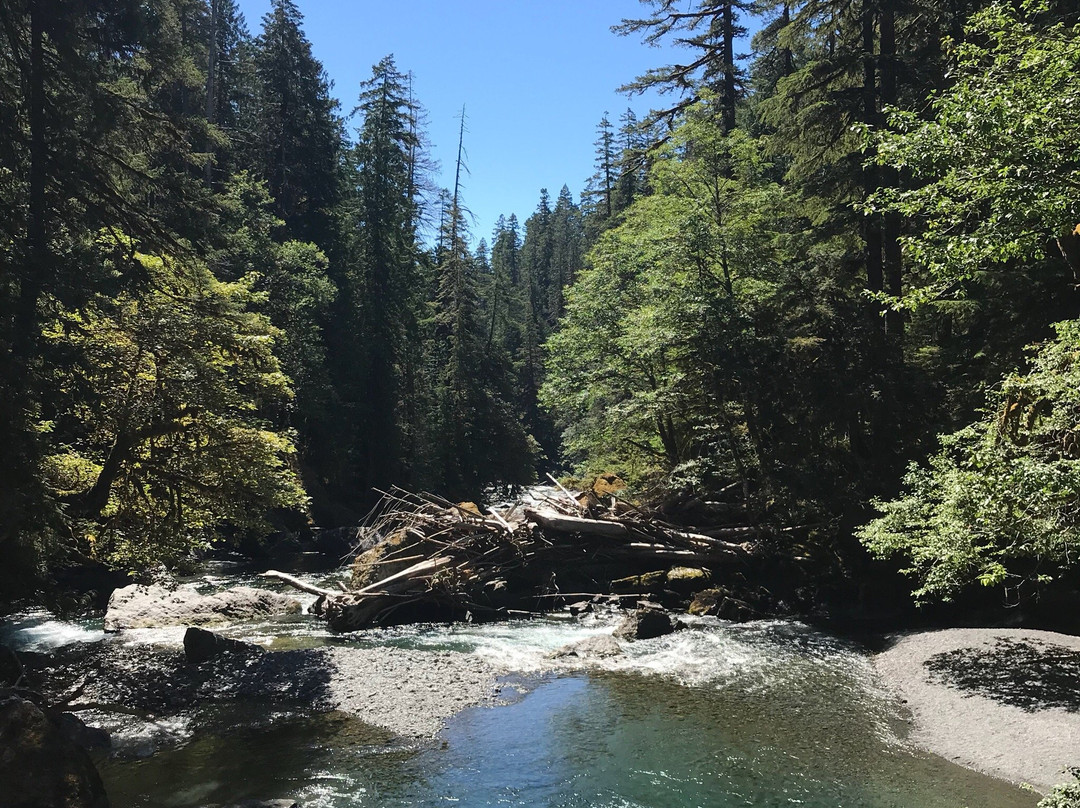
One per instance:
(644,624)
(603,646)
(11,669)
(75,730)
(581,607)
(201,645)
(39,766)
(722,604)
(153,606)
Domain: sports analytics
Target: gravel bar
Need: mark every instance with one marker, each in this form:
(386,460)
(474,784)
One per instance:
(1005,702)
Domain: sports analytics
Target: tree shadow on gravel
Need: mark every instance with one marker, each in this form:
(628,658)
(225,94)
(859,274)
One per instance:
(1030,675)
(155,681)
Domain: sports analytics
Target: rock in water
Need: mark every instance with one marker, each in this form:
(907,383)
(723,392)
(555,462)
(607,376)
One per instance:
(10,667)
(722,604)
(644,624)
(600,647)
(201,645)
(152,606)
(39,766)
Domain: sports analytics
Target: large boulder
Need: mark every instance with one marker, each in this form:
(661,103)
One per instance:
(153,606)
(687,580)
(399,551)
(644,624)
(201,645)
(723,604)
(40,766)
(602,646)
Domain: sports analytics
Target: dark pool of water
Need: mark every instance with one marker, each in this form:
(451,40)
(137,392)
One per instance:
(610,740)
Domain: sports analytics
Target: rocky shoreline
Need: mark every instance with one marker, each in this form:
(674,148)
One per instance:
(1004,702)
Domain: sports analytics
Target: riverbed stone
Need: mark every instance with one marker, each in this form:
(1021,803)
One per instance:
(644,624)
(603,646)
(580,608)
(40,767)
(721,603)
(201,645)
(154,606)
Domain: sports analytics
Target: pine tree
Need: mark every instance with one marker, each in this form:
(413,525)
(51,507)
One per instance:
(380,303)
(598,195)
(709,29)
(481,438)
(296,135)
(228,85)
(567,238)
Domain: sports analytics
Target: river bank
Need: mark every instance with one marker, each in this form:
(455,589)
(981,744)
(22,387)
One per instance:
(771,707)
(1005,702)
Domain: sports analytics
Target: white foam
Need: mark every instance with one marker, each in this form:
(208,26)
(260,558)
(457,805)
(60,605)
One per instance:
(41,631)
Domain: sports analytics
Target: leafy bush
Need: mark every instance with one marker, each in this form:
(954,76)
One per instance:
(1064,795)
(998,502)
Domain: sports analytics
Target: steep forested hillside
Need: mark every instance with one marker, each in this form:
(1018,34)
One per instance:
(231,304)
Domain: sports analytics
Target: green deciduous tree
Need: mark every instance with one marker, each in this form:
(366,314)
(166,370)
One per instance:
(160,436)
(997,504)
(996,171)
(996,166)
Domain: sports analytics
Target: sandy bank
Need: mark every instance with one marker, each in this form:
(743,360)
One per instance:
(411,693)
(1005,702)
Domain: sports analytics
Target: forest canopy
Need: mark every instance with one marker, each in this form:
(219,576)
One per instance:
(800,294)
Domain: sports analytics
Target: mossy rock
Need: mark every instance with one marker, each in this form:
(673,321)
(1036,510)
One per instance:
(607,485)
(372,565)
(688,574)
(687,580)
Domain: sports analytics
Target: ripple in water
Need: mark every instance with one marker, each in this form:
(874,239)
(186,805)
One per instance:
(719,715)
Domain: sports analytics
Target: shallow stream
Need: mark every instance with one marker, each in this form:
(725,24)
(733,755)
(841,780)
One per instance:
(760,714)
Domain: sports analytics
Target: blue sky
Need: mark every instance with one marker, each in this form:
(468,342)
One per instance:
(535,77)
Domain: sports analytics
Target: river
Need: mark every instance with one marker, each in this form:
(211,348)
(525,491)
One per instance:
(769,713)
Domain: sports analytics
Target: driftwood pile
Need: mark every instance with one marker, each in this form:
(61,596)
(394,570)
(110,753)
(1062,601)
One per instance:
(425,558)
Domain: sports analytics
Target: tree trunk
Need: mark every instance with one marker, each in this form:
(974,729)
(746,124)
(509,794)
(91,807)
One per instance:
(893,260)
(875,272)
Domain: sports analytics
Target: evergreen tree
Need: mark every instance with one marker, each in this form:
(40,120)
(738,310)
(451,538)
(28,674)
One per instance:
(566,247)
(228,86)
(380,303)
(296,136)
(709,29)
(482,440)
(84,149)
(599,193)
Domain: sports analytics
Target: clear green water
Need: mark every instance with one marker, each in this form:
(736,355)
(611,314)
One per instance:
(720,715)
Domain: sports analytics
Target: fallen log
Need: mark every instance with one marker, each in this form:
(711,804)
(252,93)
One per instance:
(296,583)
(438,560)
(401,580)
(577,524)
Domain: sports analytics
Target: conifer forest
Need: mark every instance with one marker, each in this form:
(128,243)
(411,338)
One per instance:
(832,284)
(804,348)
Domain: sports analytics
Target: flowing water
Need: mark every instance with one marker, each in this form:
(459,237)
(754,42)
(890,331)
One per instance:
(760,714)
